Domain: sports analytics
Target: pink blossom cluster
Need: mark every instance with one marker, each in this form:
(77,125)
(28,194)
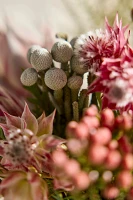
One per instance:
(109,57)
(99,148)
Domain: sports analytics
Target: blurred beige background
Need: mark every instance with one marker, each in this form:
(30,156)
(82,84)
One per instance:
(71,16)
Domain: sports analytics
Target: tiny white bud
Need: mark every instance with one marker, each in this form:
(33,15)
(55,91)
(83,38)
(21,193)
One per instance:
(31,50)
(55,78)
(75,82)
(77,66)
(41,59)
(62,51)
(29,77)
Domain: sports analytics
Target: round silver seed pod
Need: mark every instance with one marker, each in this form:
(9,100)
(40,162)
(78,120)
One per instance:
(41,59)
(55,78)
(31,50)
(75,82)
(77,66)
(29,77)
(73,41)
(62,51)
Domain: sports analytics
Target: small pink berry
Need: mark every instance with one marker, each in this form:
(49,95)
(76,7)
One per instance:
(82,181)
(72,167)
(113,159)
(113,144)
(59,158)
(76,146)
(102,136)
(91,111)
(82,131)
(91,122)
(124,179)
(127,162)
(107,117)
(70,129)
(97,154)
(111,192)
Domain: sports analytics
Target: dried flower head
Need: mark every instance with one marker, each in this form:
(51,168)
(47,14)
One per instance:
(75,82)
(31,50)
(77,66)
(41,59)
(29,77)
(55,78)
(62,51)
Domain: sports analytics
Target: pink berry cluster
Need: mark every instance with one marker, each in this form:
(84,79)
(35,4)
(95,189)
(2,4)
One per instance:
(99,152)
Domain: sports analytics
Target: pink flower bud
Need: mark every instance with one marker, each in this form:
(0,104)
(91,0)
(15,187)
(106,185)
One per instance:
(107,117)
(102,136)
(127,162)
(113,159)
(97,154)
(76,146)
(113,145)
(70,130)
(125,145)
(82,180)
(107,176)
(82,131)
(124,179)
(111,192)
(91,122)
(72,168)
(91,111)
(59,158)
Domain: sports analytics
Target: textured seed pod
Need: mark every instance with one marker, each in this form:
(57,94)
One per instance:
(55,78)
(29,77)
(31,50)
(41,59)
(62,51)
(73,40)
(75,82)
(77,66)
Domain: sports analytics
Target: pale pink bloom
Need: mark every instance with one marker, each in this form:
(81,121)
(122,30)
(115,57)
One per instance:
(92,47)
(23,186)
(28,141)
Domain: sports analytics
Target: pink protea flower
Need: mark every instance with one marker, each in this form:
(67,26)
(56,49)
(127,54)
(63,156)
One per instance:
(115,82)
(19,185)
(92,47)
(28,141)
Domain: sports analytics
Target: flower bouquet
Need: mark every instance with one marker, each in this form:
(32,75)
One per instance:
(75,144)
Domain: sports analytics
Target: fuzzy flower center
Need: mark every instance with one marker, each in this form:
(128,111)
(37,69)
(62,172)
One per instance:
(20,146)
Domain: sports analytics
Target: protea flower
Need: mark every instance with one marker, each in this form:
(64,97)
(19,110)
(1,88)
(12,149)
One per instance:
(28,141)
(115,82)
(19,185)
(92,47)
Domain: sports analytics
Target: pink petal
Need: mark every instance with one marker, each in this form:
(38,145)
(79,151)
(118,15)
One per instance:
(12,179)
(30,119)
(41,117)
(46,125)
(12,120)
(38,187)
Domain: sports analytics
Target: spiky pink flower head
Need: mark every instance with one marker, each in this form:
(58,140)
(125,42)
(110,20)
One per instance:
(92,47)
(115,81)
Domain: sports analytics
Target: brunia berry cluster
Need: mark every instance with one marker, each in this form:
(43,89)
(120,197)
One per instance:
(77,143)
